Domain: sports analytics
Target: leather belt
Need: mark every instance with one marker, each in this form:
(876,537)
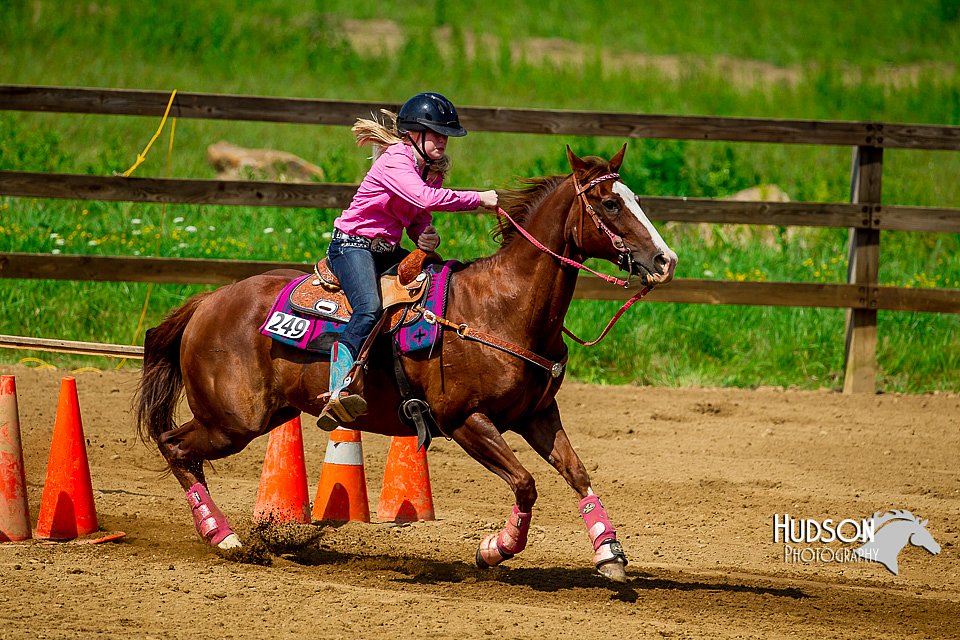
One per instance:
(377,245)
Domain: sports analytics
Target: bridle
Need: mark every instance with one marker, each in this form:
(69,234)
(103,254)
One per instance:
(556,369)
(625,261)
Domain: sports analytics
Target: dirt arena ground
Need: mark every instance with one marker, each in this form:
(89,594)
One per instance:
(691,477)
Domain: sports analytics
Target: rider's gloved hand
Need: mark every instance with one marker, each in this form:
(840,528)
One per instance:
(429,239)
(489,199)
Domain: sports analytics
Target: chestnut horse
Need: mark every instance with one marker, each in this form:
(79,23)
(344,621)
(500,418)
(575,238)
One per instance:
(240,384)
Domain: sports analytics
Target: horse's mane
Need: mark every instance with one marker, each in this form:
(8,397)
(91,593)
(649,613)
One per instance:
(520,202)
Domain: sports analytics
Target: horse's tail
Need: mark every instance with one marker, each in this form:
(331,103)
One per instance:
(162,381)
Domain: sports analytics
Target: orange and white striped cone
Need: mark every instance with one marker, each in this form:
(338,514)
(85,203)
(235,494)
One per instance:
(406,494)
(342,492)
(14,510)
(283,495)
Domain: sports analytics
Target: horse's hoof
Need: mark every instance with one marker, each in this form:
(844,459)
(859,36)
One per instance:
(614,570)
(489,553)
(230,542)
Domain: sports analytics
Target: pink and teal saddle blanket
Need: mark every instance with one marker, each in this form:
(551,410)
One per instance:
(289,325)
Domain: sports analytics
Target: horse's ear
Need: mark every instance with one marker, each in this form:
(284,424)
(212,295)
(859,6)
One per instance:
(924,523)
(617,161)
(576,164)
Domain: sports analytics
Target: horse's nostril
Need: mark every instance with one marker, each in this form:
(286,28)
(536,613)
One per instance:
(661,262)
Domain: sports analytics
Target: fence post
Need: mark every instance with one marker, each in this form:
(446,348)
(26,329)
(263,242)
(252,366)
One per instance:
(860,375)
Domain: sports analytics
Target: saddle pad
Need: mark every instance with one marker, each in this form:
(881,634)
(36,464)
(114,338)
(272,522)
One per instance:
(419,334)
(297,329)
(286,324)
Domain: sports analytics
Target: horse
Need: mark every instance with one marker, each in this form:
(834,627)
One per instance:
(899,527)
(240,384)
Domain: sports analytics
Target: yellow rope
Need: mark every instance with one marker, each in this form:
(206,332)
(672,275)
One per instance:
(143,156)
(163,215)
(41,364)
(163,211)
(143,315)
(37,361)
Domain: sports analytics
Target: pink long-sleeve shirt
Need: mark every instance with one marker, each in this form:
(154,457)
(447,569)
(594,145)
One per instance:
(393,197)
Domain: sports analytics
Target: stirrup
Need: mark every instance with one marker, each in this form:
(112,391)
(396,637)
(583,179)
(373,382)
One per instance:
(341,411)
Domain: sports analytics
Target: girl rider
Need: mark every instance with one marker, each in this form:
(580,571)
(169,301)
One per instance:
(399,192)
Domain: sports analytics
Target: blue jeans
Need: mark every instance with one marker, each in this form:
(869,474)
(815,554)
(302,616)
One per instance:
(358,270)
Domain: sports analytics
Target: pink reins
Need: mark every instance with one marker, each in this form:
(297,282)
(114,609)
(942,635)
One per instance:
(629,303)
(573,263)
(563,259)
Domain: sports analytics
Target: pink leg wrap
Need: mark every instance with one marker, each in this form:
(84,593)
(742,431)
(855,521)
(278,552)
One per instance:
(210,522)
(601,531)
(513,537)
(599,527)
(511,540)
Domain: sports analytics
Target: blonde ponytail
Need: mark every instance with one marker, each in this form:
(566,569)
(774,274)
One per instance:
(380,135)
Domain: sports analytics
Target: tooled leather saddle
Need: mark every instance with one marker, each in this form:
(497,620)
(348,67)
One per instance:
(323,297)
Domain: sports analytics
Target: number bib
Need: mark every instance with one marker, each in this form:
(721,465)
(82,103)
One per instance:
(286,326)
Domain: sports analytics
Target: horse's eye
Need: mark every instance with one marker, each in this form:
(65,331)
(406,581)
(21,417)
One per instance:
(611,205)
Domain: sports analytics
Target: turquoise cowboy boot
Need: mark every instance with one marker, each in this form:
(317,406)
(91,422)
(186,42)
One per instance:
(340,409)
(341,361)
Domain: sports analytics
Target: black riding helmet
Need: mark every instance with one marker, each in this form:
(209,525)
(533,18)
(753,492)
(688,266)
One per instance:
(430,111)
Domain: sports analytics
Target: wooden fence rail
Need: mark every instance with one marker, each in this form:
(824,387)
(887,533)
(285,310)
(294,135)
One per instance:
(864,216)
(337,196)
(498,119)
(44,266)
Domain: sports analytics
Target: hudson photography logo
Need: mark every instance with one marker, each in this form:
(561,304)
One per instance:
(878,538)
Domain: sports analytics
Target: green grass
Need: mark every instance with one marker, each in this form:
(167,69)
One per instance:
(288,49)
(777,32)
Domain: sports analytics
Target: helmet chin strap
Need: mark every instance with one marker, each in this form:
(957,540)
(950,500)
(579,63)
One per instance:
(427,162)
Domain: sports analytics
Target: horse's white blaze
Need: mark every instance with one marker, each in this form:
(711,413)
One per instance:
(630,199)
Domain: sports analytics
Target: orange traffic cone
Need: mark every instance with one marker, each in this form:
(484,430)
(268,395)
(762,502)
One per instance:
(66,509)
(406,495)
(283,495)
(14,510)
(342,492)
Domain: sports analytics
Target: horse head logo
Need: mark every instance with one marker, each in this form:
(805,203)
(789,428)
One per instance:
(892,531)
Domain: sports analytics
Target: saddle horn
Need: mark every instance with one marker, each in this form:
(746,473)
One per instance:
(412,265)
